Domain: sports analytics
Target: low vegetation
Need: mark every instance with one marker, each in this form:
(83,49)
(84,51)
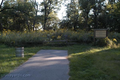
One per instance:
(12,38)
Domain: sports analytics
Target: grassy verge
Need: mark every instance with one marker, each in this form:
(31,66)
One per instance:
(9,61)
(86,62)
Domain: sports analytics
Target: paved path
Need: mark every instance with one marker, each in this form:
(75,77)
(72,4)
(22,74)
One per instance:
(45,65)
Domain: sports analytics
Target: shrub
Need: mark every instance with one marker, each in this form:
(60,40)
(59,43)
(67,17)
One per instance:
(86,37)
(115,35)
(13,38)
(23,38)
(105,42)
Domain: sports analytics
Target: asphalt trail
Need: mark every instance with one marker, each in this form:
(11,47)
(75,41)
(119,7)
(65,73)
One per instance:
(45,65)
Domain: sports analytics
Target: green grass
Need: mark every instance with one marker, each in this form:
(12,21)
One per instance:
(95,64)
(9,61)
(86,62)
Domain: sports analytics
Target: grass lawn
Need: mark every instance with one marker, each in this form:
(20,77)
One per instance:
(86,62)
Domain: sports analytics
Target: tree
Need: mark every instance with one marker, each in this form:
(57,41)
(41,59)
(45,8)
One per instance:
(53,21)
(114,15)
(19,16)
(86,6)
(35,16)
(47,7)
(1,10)
(73,14)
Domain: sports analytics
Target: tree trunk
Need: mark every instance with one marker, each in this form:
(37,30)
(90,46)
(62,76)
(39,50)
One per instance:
(87,28)
(96,22)
(35,16)
(1,27)
(1,4)
(34,24)
(28,24)
(45,17)
(47,11)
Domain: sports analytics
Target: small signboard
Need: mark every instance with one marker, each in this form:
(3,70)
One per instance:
(100,33)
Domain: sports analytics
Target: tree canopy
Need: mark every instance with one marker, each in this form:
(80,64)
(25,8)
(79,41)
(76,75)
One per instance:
(21,15)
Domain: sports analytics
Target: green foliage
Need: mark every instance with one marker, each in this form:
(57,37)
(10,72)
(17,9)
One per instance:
(72,15)
(114,35)
(81,14)
(86,37)
(49,8)
(19,15)
(22,38)
(58,37)
(106,42)
(12,38)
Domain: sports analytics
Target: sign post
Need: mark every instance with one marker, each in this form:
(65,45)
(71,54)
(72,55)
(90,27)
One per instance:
(100,33)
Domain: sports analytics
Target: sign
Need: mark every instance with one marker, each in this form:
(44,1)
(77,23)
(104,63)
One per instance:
(100,33)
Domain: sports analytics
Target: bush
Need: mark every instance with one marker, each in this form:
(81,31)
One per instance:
(23,38)
(13,38)
(114,35)
(106,42)
(86,37)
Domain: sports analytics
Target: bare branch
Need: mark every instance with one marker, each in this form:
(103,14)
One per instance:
(1,3)
(5,9)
